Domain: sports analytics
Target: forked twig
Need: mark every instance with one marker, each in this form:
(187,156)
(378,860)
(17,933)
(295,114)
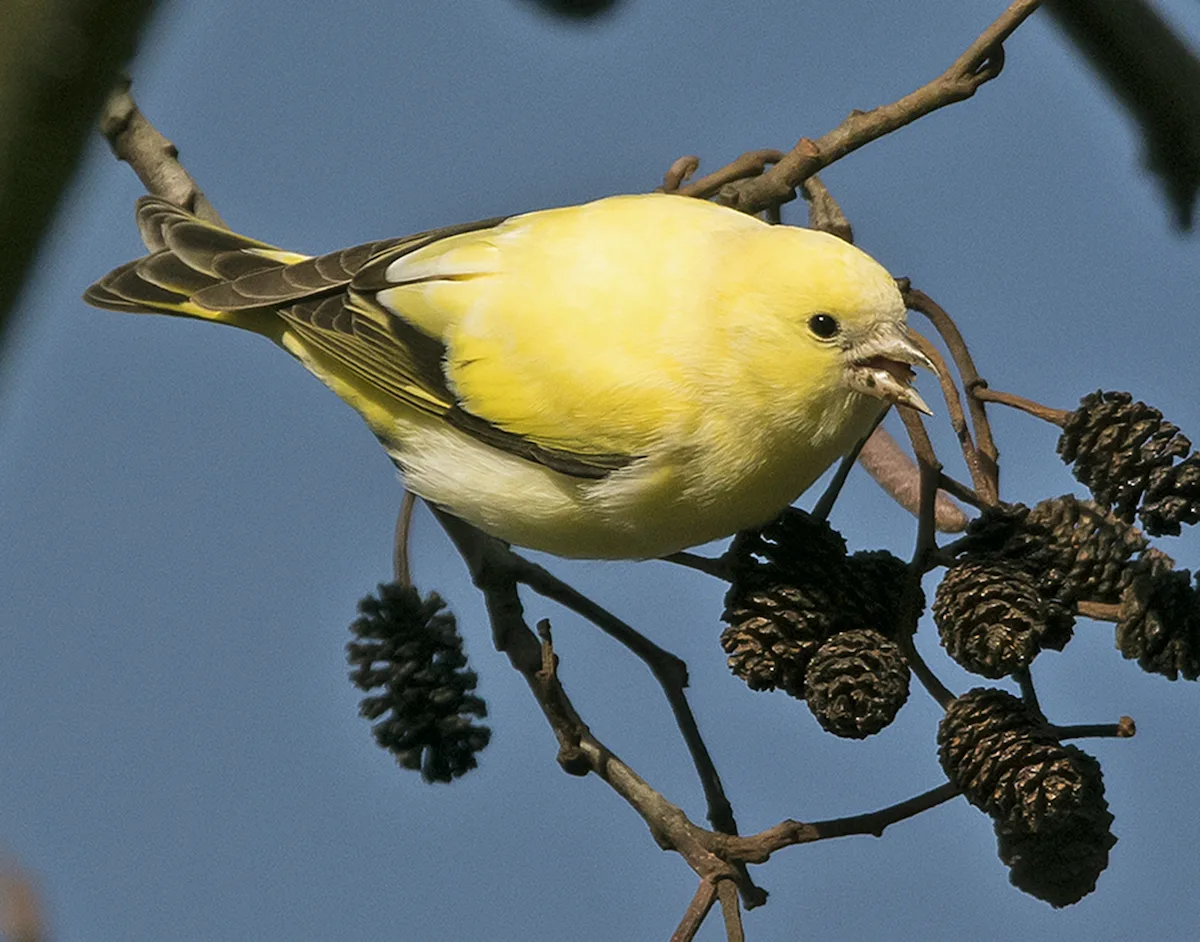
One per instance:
(980,63)
(961,354)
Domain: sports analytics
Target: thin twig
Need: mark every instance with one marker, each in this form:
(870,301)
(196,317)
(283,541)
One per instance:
(22,911)
(401,568)
(1054,416)
(748,165)
(1100,611)
(153,158)
(985,444)
(728,895)
(758,848)
(824,213)
(668,670)
(698,909)
(490,563)
(680,172)
(1028,692)
(1124,728)
(924,553)
(824,506)
(931,470)
(980,63)
(958,418)
(956,489)
(718,567)
(889,464)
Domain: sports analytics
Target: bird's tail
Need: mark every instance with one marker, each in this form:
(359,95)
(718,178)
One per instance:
(186,256)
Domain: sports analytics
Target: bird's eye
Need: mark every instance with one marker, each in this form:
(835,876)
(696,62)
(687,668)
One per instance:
(824,326)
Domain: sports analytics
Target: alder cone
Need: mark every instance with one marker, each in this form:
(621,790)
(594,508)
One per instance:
(1172,498)
(856,683)
(774,631)
(1159,619)
(410,651)
(883,594)
(1060,861)
(1115,445)
(786,599)
(993,619)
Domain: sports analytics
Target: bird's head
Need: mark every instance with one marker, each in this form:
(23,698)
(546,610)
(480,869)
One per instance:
(835,314)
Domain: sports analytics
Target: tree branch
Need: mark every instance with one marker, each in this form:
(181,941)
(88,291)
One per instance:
(153,158)
(989,455)
(894,471)
(758,848)
(979,64)
(401,568)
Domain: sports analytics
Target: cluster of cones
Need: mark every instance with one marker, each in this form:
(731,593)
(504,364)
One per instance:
(831,628)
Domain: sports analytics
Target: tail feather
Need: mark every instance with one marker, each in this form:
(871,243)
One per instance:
(186,256)
(170,272)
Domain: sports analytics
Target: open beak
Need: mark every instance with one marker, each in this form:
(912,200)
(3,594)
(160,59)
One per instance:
(881,365)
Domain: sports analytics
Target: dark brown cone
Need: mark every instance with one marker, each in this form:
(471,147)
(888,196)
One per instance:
(1007,762)
(1061,861)
(1115,444)
(1172,498)
(407,655)
(1089,549)
(884,594)
(856,683)
(785,600)
(992,618)
(773,632)
(1075,548)
(793,544)
(1159,619)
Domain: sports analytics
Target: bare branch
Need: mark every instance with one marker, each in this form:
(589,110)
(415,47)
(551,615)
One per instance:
(718,567)
(153,158)
(824,213)
(727,894)
(57,62)
(22,913)
(758,848)
(979,64)
(750,164)
(698,909)
(894,471)
(953,338)
(491,568)
(958,419)
(680,172)
(925,550)
(1124,728)
(1046,413)
(401,570)
(824,504)
(1100,611)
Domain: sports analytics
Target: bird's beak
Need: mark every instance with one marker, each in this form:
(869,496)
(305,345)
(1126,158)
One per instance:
(880,365)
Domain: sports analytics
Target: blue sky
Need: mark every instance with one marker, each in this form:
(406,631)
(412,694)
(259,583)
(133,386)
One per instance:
(189,519)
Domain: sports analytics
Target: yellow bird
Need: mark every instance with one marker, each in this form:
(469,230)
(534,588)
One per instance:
(621,379)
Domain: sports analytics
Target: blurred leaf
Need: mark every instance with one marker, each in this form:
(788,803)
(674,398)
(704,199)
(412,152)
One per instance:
(576,9)
(58,60)
(1154,75)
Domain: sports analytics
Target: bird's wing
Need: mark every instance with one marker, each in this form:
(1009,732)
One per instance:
(569,337)
(389,357)
(329,304)
(582,330)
